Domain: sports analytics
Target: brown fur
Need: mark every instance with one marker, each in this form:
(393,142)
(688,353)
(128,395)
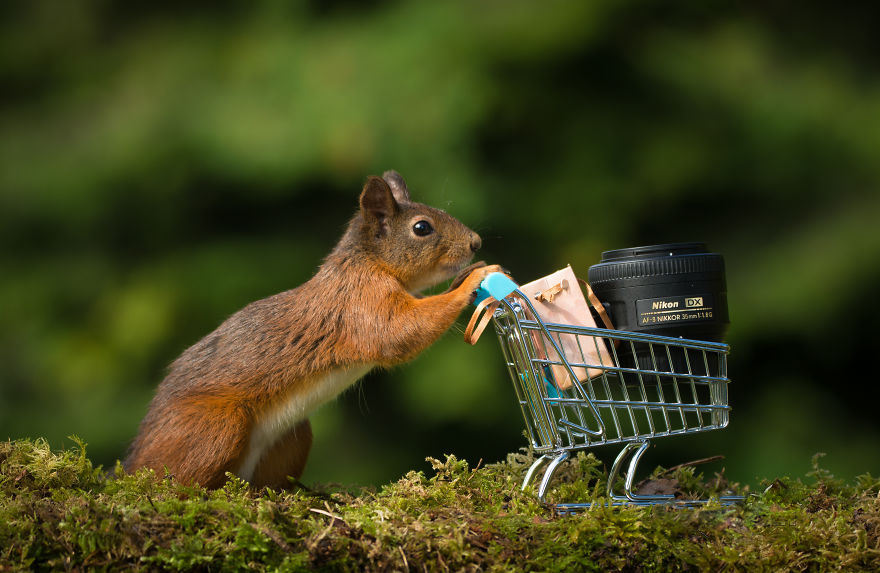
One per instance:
(358,309)
(287,457)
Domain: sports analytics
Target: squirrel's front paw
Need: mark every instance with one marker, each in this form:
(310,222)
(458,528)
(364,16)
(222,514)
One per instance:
(476,277)
(478,274)
(463,274)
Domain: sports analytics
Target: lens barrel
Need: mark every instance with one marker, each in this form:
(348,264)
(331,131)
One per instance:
(673,289)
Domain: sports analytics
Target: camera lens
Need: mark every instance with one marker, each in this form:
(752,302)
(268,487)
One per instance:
(674,289)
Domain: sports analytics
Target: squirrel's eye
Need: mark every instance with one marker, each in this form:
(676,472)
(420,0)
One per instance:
(423,229)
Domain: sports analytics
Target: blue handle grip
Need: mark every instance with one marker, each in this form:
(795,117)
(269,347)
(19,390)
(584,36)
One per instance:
(496,285)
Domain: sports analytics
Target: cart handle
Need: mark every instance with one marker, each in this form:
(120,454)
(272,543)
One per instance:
(493,289)
(495,285)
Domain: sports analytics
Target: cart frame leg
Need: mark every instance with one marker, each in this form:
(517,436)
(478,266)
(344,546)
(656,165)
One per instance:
(631,452)
(554,462)
(636,449)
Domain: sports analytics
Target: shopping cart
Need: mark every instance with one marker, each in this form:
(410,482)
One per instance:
(655,387)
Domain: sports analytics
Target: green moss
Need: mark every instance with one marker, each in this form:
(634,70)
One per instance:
(57,511)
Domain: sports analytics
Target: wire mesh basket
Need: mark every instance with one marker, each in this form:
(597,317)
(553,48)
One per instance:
(653,387)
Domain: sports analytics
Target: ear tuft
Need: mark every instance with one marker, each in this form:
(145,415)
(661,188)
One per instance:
(378,204)
(398,186)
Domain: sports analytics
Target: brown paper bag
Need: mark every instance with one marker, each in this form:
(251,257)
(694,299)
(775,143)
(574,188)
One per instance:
(558,298)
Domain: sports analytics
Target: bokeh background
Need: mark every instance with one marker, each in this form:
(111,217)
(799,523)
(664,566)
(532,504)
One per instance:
(162,164)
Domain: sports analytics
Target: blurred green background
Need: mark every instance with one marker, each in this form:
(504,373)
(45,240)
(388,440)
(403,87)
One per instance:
(163,165)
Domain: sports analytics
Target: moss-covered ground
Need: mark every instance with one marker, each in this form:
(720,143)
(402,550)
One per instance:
(58,512)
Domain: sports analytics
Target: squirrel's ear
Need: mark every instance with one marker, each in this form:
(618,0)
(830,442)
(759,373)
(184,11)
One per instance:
(398,186)
(378,203)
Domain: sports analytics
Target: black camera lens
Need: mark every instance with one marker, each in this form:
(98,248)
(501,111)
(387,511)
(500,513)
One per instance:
(674,289)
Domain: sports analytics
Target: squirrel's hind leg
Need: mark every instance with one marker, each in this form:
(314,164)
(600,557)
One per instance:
(196,441)
(287,457)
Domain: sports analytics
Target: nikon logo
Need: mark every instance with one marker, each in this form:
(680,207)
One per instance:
(663,305)
(694,302)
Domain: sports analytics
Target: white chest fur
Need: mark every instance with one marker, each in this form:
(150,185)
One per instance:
(294,410)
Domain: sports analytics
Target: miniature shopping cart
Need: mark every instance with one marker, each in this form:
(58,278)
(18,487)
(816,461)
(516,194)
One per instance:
(653,387)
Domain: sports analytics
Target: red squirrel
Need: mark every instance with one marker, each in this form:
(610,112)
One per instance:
(239,399)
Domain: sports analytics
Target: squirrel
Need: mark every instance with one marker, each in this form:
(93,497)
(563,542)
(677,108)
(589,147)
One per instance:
(239,399)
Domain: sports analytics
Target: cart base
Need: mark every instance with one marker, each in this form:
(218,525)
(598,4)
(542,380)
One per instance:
(634,451)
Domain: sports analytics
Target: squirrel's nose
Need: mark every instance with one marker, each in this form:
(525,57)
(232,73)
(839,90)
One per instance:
(476,243)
